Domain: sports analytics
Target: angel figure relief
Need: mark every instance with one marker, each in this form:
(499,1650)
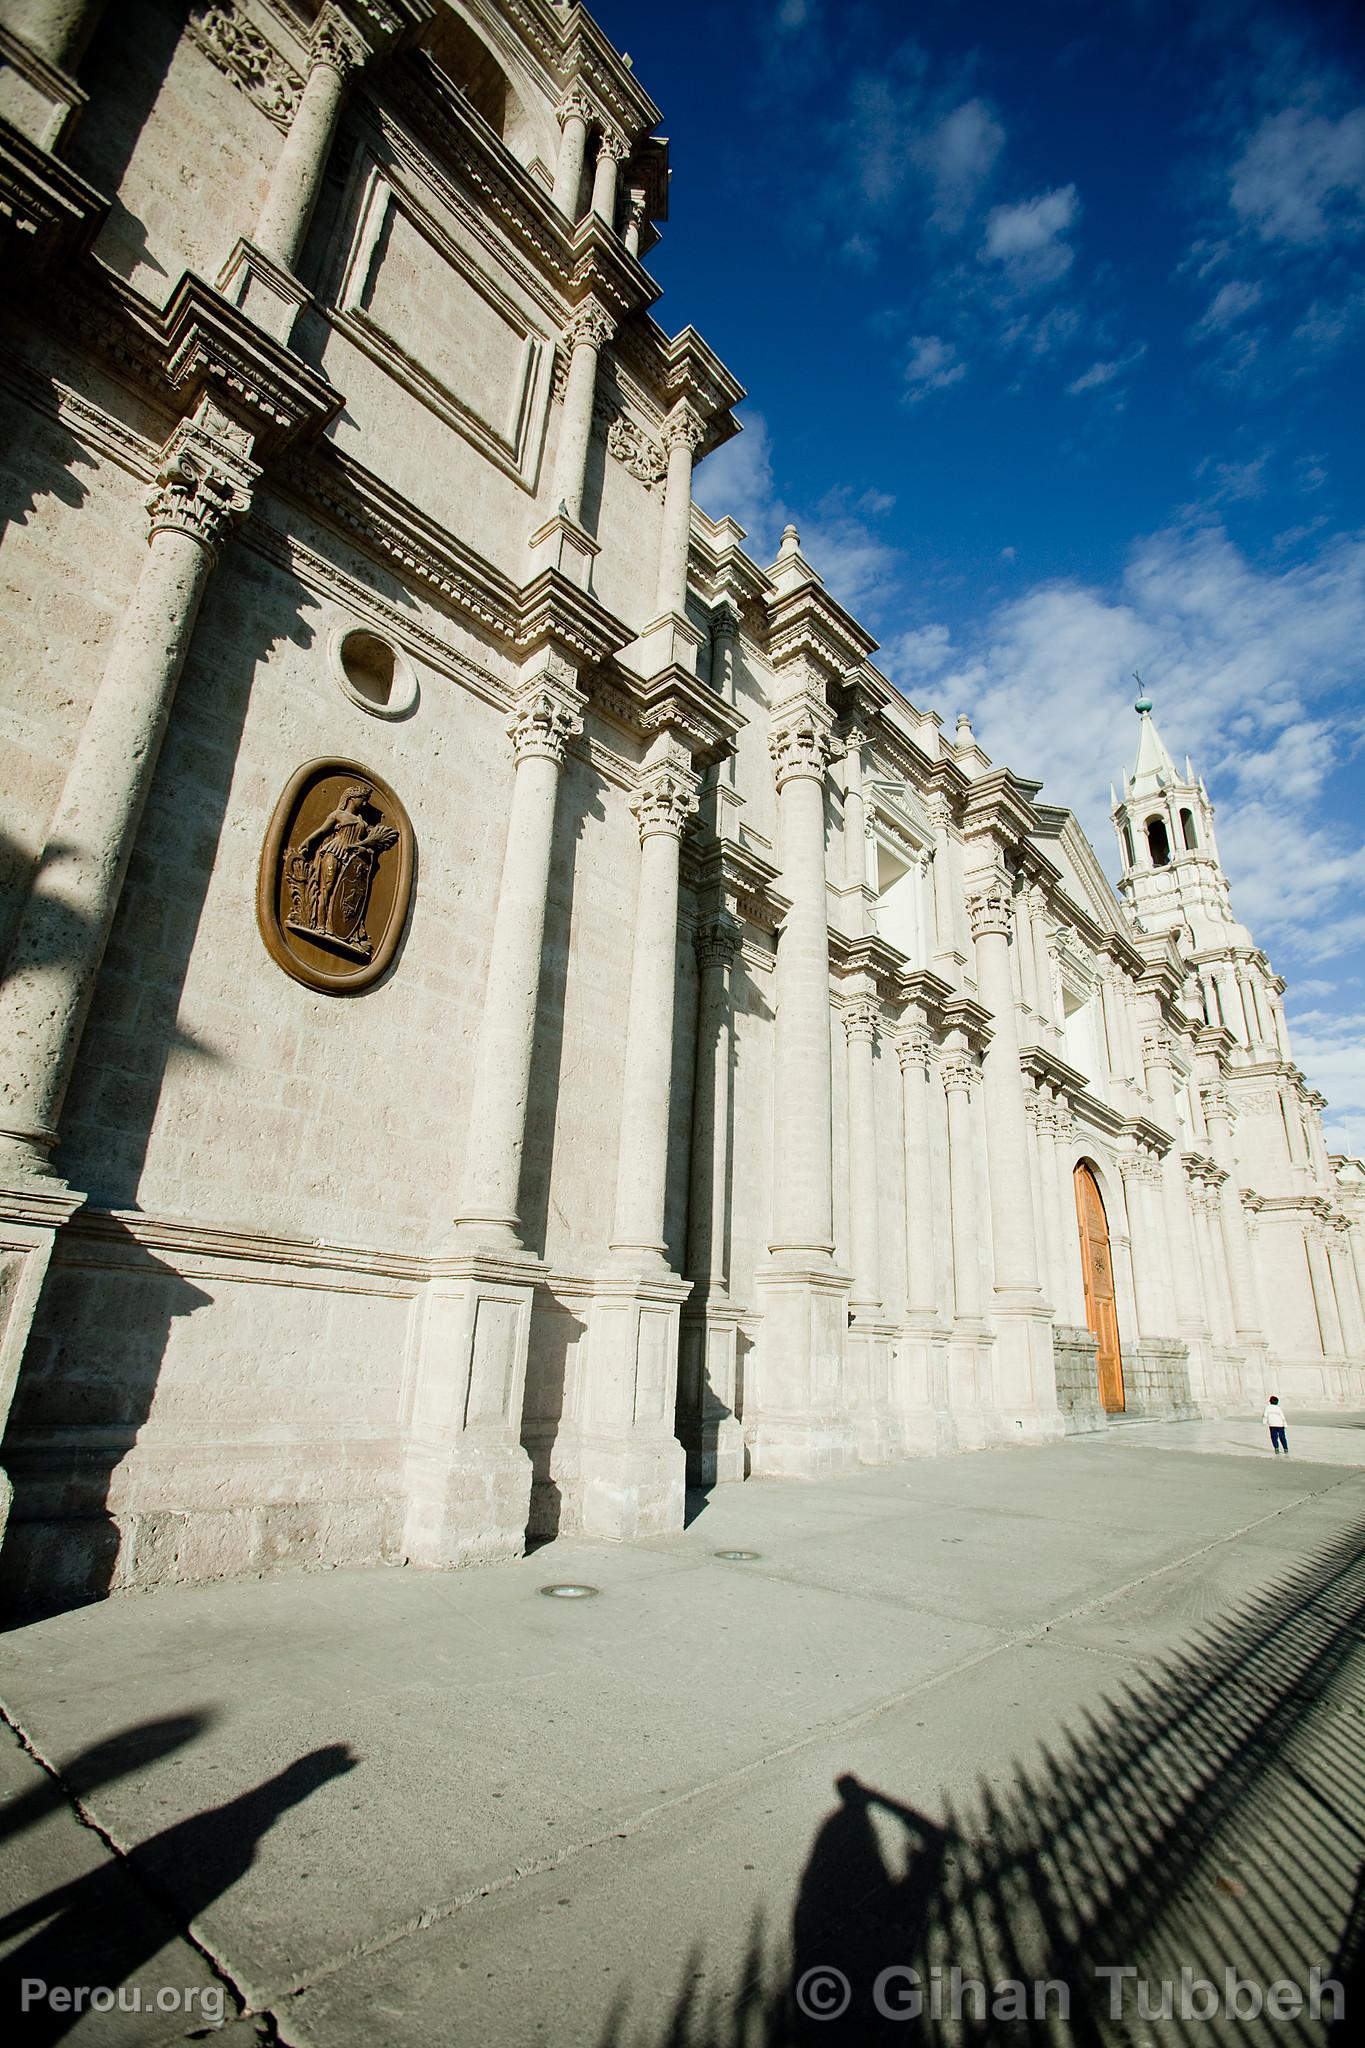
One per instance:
(330,872)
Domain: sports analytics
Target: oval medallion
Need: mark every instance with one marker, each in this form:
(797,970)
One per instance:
(336,876)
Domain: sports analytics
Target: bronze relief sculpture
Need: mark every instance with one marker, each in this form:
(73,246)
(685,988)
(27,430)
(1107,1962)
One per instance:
(335,877)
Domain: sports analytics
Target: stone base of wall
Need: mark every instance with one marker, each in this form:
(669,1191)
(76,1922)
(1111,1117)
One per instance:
(1156,1381)
(1078,1386)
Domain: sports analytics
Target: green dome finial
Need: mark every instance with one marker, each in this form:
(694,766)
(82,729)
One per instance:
(1144,702)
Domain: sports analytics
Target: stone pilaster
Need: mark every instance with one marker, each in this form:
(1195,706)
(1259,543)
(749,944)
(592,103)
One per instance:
(1218,1119)
(468,1476)
(621,1469)
(920,1401)
(869,1336)
(1190,1319)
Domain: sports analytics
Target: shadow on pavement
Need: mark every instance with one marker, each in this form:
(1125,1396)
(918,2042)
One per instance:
(99,1931)
(1210,1816)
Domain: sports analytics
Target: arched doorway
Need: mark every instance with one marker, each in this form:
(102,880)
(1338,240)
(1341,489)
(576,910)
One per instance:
(1097,1267)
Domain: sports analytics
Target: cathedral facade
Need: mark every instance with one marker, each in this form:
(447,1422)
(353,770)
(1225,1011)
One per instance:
(508,1012)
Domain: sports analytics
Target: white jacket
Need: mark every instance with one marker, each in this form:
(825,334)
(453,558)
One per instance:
(1274,1417)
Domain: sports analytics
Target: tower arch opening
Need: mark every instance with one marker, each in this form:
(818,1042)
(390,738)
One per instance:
(1158,842)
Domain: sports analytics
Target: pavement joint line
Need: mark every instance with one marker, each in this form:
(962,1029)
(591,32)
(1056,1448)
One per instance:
(86,1819)
(648,1816)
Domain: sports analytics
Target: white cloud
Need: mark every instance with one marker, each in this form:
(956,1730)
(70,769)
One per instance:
(1027,239)
(1250,668)
(1301,176)
(1100,374)
(959,154)
(933,366)
(737,483)
(1331,1051)
(1229,304)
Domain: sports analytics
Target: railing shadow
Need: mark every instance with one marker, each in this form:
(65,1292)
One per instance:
(1209,1817)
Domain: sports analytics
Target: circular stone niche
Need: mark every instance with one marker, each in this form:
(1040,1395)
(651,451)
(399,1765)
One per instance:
(372,672)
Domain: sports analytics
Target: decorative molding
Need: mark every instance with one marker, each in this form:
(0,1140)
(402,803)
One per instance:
(799,741)
(959,1071)
(239,50)
(990,911)
(862,1015)
(666,798)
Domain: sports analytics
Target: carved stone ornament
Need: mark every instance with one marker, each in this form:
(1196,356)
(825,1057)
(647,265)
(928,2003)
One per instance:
(990,912)
(336,877)
(238,48)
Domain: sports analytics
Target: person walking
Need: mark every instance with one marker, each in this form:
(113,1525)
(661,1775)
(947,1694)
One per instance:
(1275,1420)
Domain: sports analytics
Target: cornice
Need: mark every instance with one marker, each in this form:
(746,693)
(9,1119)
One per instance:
(553,612)
(209,343)
(42,200)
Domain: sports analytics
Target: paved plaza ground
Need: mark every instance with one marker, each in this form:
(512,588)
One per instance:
(1024,1714)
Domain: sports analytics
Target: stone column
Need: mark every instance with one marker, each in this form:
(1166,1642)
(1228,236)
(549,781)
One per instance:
(683,433)
(1115,1049)
(57,30)
(1347,1291)
(546,715)
(1324,1294)
(1071,1295)
(869,1336)
(612,152)
(469,1480)
(622,1470)
(1218,1117)
(803,1206)
(945,922)
(1016,1257)
(1023,946)
(38,91)
(1043,1172)
(1184,1252)
(709,1422)
(855,831)
(575,112)
(1151,1277)
(204,481)
(802,1427)
(1042,956)
(637,213)
(960,1074)
(587,333)
(667,798)
(914,1050)
(335,49)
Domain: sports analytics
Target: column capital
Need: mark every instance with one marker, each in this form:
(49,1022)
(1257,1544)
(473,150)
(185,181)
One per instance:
(989,910)
(915,1048)
(717,940)
(613,143)
(862,1014)
(799,741)
(340,43)
(588,325)
(1156,1052)
(960,1072)
(725,620)
(665,799)
(545,717)
(575,106)
(683,425)
(1215,1101)
(203,482)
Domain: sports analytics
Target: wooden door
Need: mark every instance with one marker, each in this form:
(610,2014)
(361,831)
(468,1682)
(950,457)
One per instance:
(1098,1268)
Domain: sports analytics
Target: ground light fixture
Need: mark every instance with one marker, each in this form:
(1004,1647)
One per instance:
(737,1556)
(570,1592)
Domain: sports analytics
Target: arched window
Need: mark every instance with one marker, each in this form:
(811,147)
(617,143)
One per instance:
(1187,827)
(1128,846)
(1158,844)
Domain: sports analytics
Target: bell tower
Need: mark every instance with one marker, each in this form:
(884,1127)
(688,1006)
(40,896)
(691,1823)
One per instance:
(1171,873)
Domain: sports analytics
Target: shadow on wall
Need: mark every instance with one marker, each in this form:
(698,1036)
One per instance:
(1210,1816)
(103,1928)
(89,1377)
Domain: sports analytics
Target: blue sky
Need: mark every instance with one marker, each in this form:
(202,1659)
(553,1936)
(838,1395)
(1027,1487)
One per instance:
(1052,321)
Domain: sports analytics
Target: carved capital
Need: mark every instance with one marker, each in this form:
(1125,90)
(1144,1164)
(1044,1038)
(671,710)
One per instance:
(588,325)
(1214,1100)
(336,41)
(665,800)
(613,144)
(717,941)
(684,427)
(915,1051)
(861,1017)
(960,1072)
(575,105)
(543,721)
(725,622)
(1155,1052)
(989,911)
(202,484)
(799,742)
(940,813)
